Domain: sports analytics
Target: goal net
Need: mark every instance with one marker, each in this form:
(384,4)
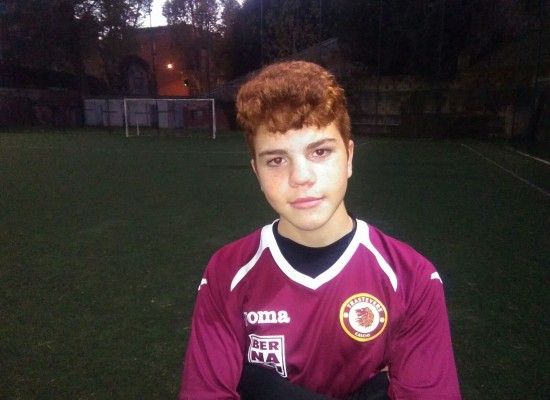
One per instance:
(170,117)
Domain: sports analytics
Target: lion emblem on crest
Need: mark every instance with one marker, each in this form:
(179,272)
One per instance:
(365,317)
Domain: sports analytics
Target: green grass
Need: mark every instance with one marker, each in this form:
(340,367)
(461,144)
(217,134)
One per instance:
(103,241)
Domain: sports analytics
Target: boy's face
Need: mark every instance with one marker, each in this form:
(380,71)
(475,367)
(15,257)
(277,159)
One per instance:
(303,174)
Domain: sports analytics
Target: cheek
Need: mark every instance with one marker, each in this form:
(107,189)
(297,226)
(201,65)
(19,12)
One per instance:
(270,182)
(338,172)
(275,195)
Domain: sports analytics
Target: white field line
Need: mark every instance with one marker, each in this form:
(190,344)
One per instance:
(534,158)
(508,171)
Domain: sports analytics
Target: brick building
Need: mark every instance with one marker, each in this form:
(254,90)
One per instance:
(156,69)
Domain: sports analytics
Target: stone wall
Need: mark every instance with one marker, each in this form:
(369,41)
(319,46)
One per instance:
(48,107)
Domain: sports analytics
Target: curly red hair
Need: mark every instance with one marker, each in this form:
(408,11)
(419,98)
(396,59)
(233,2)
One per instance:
(292,95)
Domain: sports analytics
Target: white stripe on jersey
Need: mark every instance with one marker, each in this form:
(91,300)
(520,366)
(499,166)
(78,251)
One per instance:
(435,275)
(241,273)
(305,280)
(361,236)
(203,282)
(362,226)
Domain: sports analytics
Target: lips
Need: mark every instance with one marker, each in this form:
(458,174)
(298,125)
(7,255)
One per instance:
(303,203)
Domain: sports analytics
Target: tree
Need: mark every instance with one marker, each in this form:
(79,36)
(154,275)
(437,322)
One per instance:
(203,15)
(268,30)
(418,37)
(77,36)
(247,52)
(228,22)
(289,26)
(196,27)
(116,21)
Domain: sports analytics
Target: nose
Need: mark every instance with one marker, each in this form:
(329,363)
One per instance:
(301,173)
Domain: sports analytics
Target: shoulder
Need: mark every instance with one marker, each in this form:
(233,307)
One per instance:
(236,253)
(407,264)
(234,259)
(390,243)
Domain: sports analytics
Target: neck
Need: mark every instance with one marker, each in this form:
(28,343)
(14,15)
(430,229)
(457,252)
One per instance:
(338,226)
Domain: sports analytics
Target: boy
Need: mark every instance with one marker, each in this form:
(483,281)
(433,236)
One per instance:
(318,302)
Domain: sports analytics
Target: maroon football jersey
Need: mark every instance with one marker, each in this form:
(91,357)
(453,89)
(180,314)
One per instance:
(380,304)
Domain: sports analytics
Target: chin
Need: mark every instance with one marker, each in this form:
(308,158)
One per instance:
(308,224)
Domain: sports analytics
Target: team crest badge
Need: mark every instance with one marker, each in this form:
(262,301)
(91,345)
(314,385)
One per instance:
(363,317)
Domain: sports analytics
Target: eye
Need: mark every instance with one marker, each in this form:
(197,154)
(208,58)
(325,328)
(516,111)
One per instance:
(321,152)
(275,161)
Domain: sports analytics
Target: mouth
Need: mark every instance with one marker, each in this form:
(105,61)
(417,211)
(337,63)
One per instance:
(304,203)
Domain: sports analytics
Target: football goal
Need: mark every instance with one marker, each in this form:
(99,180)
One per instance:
(170,117)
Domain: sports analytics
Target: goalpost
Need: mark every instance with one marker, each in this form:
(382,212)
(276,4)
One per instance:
(177,117)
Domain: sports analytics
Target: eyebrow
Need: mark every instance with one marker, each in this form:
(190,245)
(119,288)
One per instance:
(311,146)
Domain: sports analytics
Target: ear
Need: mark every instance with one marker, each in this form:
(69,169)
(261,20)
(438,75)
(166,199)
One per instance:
(351,147)
(253,164)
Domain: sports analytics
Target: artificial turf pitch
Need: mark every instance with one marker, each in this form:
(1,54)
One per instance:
(103,240)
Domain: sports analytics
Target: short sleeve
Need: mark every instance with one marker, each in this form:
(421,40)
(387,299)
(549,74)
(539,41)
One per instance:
(213,360)
(422,365)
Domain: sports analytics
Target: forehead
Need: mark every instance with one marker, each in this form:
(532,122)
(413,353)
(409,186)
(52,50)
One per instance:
(296,139)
